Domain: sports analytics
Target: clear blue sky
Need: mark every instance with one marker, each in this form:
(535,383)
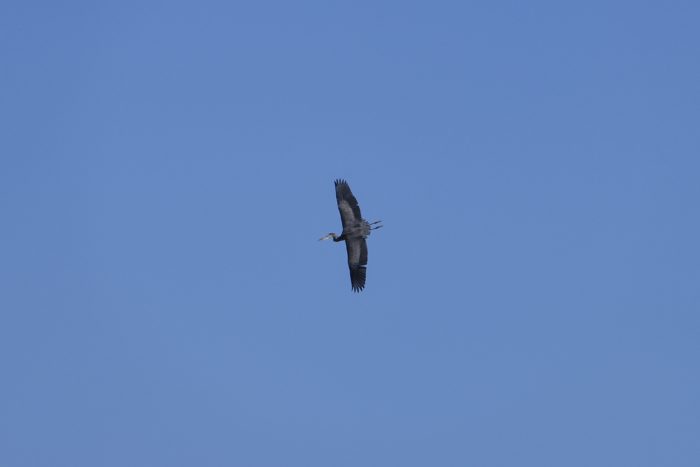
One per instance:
(166,169)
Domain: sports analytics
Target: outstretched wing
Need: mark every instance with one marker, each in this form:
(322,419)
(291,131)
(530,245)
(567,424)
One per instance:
(347,204)
(357,261)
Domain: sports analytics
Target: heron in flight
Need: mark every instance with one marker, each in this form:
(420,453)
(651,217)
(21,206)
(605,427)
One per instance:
(355,233)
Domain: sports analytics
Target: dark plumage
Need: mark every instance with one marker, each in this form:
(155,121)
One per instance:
(355,233)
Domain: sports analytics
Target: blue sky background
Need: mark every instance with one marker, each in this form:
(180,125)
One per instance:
(166,169)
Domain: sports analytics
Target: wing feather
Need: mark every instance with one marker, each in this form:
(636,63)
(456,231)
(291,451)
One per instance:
(357,262)
(347,204)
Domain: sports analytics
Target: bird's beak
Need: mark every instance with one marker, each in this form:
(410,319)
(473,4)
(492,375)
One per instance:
(327,237)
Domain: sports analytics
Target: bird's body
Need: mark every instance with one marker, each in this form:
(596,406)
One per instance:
(355,233)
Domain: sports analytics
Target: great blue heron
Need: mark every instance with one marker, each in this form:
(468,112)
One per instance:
(355,232)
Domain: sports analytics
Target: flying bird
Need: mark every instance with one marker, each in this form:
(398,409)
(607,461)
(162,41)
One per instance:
(355,233)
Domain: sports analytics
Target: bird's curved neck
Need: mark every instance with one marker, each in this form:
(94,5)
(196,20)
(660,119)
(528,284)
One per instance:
(338,238)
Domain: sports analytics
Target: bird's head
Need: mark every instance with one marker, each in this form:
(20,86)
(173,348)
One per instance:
(330,236)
